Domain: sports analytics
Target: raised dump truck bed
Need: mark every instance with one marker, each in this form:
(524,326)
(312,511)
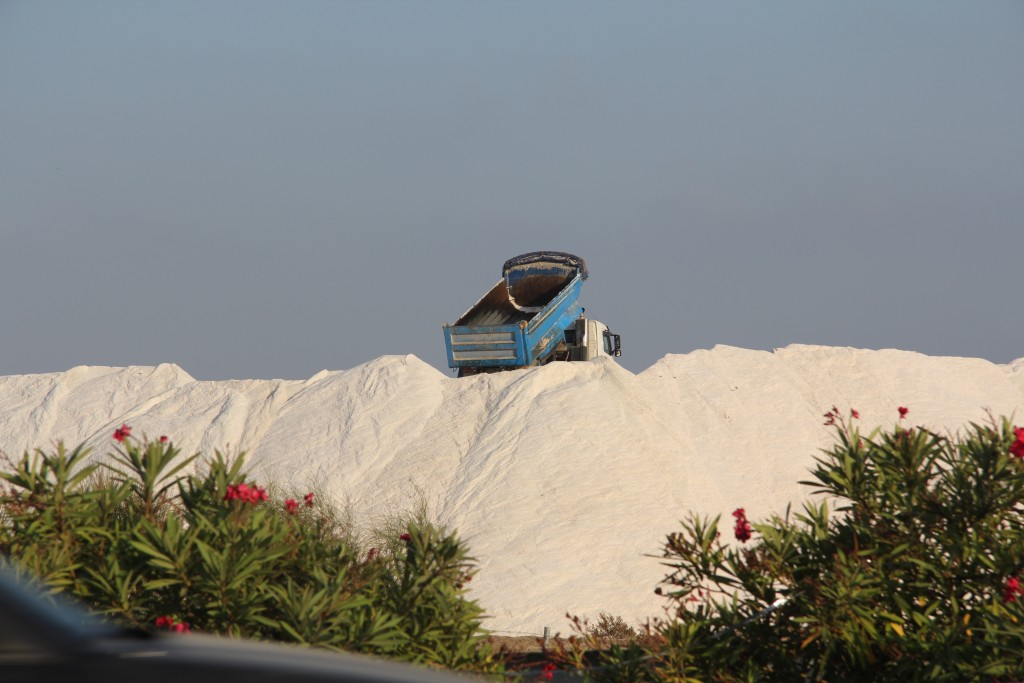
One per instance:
(522,319)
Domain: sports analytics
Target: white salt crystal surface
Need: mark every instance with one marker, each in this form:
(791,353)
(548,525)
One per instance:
(564,479)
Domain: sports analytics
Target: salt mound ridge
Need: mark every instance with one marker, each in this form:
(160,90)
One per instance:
(564,479)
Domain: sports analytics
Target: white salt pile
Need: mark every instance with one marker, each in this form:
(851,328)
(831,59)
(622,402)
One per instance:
(562,478)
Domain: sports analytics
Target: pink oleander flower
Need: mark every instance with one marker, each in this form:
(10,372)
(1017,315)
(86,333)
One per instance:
(742,529)
(167,622)
(1017,447)
(291,506)
(831,416)
(1011,589)
(123,432)
(246,493)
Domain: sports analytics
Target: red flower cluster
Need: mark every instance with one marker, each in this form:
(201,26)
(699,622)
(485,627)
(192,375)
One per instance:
(832,416)
(246,493)
(1017,448)
(903,412)
(405,537)
(122,432)
(292,505)
(1012,589)
(163,439)
(549,671)
(168,623)
(742,528)
(372,554)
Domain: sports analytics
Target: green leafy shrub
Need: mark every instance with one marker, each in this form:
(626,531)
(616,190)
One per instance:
(141,542)
(908,569)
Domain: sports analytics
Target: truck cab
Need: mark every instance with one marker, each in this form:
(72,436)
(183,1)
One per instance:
(588,339)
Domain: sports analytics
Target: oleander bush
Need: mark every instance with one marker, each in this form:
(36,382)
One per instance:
(906,567)
(154,543)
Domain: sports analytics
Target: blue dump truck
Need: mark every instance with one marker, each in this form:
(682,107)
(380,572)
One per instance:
(531,317)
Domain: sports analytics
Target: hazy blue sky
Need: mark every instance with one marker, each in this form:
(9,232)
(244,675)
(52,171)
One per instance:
(266,189)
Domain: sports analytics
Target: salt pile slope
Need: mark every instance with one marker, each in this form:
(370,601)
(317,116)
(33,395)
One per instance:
(563,478)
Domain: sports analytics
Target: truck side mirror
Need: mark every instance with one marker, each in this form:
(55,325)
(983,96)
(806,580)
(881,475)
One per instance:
(612,344)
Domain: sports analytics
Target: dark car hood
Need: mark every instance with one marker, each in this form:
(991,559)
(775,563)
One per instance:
(218,659)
